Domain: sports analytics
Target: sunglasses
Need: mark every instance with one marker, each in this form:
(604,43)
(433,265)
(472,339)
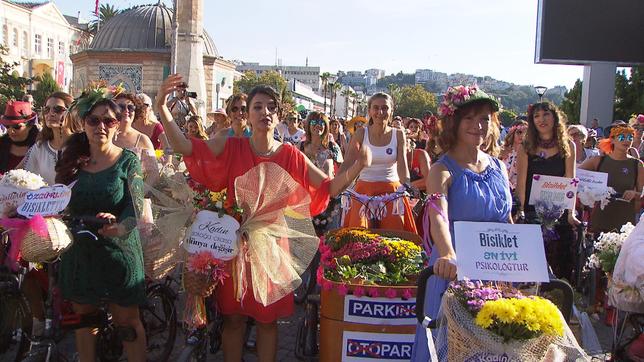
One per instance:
(56,109)
(16,127)
(316,122)
(623,137)
(235,109)
(108,122)
(130,107)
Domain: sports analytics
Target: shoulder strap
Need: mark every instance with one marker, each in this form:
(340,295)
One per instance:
(601,161)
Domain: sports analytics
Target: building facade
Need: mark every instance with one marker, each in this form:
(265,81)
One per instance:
(309,76)
(40,48)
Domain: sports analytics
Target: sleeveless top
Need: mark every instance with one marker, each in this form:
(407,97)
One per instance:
(554,165)
(622,176)
(383,163)
(414,170)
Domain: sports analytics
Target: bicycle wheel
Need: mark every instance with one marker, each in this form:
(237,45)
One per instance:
(15,327)
(159,319)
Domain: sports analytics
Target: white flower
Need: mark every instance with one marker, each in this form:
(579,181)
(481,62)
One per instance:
(23,179)
(627,228)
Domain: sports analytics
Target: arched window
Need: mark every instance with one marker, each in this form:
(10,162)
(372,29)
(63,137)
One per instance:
(25,44)
(5,35)
(15,42)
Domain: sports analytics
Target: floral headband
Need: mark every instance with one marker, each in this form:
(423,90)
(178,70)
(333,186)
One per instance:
(93,94)
(517,127)
(458,96)
(617,130)
(606,145)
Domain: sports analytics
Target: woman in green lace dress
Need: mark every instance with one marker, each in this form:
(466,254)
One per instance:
(108,266)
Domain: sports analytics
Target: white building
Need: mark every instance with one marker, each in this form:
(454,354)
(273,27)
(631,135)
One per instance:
(373,75)
(344,104)
(303,74)
(306,97)
(41,39)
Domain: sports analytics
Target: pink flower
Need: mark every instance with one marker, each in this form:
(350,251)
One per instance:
(390,293)
(374,292)
(320,275)
(407,294)
(343,289)
(358,291)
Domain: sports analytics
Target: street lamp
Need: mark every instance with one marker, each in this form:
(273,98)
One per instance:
(541,90)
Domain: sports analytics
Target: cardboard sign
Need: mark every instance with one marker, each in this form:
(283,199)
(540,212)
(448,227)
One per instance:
(590,180)
(10,199)
(558,191)
(380,311)
(503,252)
(363,346)
(215,234)
(47,201)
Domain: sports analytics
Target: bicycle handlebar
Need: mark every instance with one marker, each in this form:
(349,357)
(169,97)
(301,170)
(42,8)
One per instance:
(89,220)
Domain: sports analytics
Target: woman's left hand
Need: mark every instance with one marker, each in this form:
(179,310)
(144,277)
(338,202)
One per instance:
(629,195)
(572,219)
(111,230)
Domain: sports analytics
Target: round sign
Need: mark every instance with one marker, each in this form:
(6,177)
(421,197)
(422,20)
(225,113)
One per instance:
(215,234)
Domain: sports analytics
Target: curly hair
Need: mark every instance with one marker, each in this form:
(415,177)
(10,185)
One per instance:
(448,136)
(560,133)
(321,116)
(201,132)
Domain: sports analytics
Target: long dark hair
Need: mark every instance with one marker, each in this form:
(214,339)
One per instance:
(76,153)
(559,132)
(6,142)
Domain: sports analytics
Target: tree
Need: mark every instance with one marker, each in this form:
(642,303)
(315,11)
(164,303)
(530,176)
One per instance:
(46,86)
(12,85)
(506,117)
(335,87)
(571,104)
(629,93)
(414,101)
(394,92)
(325,85)
(270,78)
(105,13)
(346,93)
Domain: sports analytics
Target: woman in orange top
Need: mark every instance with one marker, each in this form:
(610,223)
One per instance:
(374,202)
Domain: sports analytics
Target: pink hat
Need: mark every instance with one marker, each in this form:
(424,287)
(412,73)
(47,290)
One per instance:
(220,111)
(17,112)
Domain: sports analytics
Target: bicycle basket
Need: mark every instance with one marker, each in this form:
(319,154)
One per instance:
(44,239)
(198,284)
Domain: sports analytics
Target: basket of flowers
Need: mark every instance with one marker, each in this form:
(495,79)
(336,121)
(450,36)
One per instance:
(481,322)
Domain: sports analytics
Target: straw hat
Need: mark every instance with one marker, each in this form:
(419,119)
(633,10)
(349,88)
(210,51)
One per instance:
(352,122)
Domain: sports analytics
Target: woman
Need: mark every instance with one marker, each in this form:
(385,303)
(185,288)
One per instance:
(217,163)
(579,134)
(327,156)
(625,175)
(397,123)
(293,133)
(415,132)
(20,121)
(355,124)
(433,130)
(237,112)
(511,146)
(194,128)
(109,186)
(419,162)
(128,137)
(218,121)
(387,174)
(336,131)
(146,123)
(464,175)
(547,150)
(638,142)
(42,156)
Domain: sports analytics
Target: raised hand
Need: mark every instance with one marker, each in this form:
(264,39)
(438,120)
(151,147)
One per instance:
(171,84)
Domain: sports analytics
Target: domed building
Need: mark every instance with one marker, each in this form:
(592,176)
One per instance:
(134,49)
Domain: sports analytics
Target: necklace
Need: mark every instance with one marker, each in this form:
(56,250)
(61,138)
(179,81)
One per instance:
(271,149)
(547,144)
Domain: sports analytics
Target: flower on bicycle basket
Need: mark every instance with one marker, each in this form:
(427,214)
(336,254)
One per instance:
(607,248)
(204,262)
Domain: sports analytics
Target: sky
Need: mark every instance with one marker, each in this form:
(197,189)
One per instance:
(480,37)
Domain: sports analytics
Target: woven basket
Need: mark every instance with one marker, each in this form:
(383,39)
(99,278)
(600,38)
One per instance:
(198,284)
(36,248)
(157,262)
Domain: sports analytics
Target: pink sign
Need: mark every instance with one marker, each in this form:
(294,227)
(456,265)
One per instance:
(60,73)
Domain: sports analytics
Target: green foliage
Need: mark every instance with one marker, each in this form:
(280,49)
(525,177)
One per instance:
(46,86)
(571,105)
(271,78)
(400,79)
(12,85)
(506,117)
(413,101)
(629,93)
(105,13)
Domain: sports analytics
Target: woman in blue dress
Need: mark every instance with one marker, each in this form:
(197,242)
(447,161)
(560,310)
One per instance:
(465,184)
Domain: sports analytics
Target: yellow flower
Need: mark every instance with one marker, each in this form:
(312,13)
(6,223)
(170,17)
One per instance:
(158,153)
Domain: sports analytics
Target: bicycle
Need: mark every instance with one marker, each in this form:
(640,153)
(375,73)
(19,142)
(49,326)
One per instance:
(15,314)
(157,314)
(374,206)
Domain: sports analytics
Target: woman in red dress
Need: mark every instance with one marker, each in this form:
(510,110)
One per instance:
(216,163)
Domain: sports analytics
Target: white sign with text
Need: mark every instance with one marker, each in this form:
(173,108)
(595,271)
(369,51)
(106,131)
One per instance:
(367,347)
(591,180)
(558,191)
(501,252)
(380,311)
(47,201)
(215,234)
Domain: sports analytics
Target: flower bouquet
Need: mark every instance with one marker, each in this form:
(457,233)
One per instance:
(202,274)
(590,196)
(14,185)
(548,215)
(607,248)
(362,259)
(498,322)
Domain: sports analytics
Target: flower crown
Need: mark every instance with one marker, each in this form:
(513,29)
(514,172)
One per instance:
(95,92)
(621,129)
(517,126)
(455,97)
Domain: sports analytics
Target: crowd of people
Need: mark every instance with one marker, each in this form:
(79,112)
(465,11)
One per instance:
(455,160)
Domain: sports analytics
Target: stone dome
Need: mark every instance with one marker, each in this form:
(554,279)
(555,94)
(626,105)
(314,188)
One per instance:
(142,28)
